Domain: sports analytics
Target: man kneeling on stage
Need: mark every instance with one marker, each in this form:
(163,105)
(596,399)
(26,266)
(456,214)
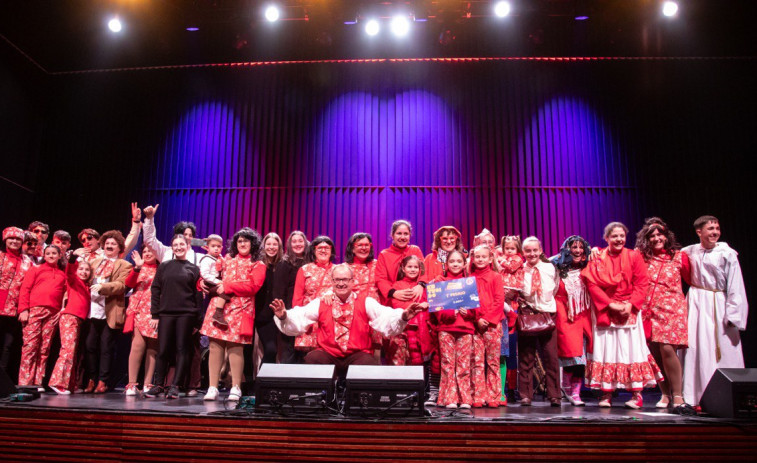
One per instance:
(344,321)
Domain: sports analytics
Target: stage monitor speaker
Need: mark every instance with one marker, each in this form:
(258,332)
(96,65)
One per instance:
(6,385)
(374,390)
(291,389)
(731,393)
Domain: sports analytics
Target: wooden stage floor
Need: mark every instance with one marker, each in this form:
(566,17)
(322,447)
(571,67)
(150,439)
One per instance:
(113,427)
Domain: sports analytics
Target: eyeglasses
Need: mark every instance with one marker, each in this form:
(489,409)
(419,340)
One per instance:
(40,230)
(323,248)
(87,238)
(31,243)
(362,246)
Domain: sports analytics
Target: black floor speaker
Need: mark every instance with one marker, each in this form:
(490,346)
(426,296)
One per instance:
(6,385)
(385,390)
(731,393)
(294,389)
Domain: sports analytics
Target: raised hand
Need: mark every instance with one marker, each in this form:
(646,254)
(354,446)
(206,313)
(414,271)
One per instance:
(279,309)
(137,258)
(136,213)
(150,211)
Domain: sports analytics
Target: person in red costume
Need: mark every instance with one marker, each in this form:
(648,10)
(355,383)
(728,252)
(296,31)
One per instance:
(665,310)
(39,307)
(413,346)
(389,264)
(13,267)
(456,328)
(78,300)
(487,382)
(618,283)
(359,256)
(313,280)
(344,322)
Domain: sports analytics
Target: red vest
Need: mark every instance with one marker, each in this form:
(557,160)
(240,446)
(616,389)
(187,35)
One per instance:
(360,331)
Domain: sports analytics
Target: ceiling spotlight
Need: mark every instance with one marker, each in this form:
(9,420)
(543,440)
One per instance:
(669,9)
(400,26)
(372,27)
(272,13)
(502,9)
(193,29)
(115,24)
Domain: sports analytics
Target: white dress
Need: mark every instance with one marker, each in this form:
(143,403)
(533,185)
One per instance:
(716,298)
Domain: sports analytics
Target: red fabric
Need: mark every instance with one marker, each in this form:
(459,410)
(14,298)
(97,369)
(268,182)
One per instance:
(434,268)
(13,268)
(455,386)
(43,286)
(618,278)
(360,330)
(571,335)
(79,297)
(417,332)
(451,321)
(38,334)
(665,311)
(491,294)
(312,280)
(365,278)
(388,264)
(248,286)
(512,269)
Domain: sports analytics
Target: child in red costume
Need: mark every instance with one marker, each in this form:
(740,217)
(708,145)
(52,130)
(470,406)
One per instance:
(511,263)
(78,301)
(39,307)
(456,328)
(413,346)
(487,340)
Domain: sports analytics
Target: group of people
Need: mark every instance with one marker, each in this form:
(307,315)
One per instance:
(605,318)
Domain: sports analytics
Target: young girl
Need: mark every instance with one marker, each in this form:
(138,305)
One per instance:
(511,263)
(389,263)
(487,340)
(414,344)
(456,330)
(78,274)
(38,311)
(144,337)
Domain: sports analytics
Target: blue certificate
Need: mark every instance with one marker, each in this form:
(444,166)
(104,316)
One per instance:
(453,294)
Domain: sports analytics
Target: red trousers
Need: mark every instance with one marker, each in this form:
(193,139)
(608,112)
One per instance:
(487,382)
(62,377)
(404,349)
(37,333)
(455,386)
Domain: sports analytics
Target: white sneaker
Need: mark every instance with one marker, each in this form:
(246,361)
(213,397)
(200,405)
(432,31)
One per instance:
(40,389)
(433,396)
(451,406)
(60,391)
(192,393)
(235,394)
(212,394)
(466,406)
(131,390)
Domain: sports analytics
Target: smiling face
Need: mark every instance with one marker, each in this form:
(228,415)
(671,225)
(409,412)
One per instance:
(361,249)
(455,264)
(297,243)
(657,240)
(83,271)
(179,247)
(577,252)
(401,236)
(412,269)
(532,252)
(271,247)
(111,248)
(616,239)
(323,253)
(482,258)
(148,255)
(709,234)
(342,281)
(243,246)
(51,255)
(13,244)
(188,234)
(488,240)
(449,241)
(90,242)
(41,233)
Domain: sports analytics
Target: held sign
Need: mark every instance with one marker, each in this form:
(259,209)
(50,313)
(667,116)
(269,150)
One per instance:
(453,295)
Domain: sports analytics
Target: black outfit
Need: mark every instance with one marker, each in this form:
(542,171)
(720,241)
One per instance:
(10,346)
(176,302)
(100,342)
(283,288)
(265,328)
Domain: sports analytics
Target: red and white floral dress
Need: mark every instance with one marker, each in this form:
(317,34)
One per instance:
(665,311)
(313,281)
(365,278)
(139,302)
(242,278)
(13,268)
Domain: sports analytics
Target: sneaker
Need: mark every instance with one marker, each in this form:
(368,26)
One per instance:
(212,394)
(192,393)
(173,392)
(155,391)
(131,390)
(606,401)
(41,389)
(433,396)
(576,401)
(635,403)
(147,387)
(235,394)
(465,406)
(664,402)
(60,390)
(451,406)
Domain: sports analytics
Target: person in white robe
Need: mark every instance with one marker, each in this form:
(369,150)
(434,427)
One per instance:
(717,310)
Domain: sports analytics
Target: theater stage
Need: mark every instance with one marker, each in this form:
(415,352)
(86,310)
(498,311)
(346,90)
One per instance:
(115,427)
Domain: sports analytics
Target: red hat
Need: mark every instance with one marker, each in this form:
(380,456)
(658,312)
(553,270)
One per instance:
(13,232)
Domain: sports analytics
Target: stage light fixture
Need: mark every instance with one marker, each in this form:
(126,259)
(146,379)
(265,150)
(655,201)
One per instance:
(400,26)
(115,24)
(502,9)
(372,27)
(669,9)
(193,29)
(272,13)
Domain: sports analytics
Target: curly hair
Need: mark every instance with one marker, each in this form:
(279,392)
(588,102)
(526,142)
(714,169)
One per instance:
(405,261)
(247,233)
(116,235)
(564,260)
(349,253)
(448,229)
(310,254)
(645,246)
(181,227)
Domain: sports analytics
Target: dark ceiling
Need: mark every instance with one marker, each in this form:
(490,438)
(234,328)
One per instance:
(72,35)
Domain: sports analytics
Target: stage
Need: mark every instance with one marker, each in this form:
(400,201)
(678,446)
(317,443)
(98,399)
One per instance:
(115,427)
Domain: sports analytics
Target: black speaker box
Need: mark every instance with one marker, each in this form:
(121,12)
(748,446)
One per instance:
(289,389)
(731,393)
(385,390)
(6,385)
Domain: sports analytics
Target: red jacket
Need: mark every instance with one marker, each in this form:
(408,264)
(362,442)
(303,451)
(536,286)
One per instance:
(421,318)
(360,331)
(43,286)
(451,321)
(434,269)
(491,294)
(388,264)
(79,297)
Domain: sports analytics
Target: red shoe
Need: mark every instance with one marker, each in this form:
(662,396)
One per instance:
(493,404)
(503,402)
(478,405)
(101,388)
(90,387)
(636,402)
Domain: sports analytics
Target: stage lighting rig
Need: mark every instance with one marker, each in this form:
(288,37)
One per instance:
(115,25)
(669,9)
